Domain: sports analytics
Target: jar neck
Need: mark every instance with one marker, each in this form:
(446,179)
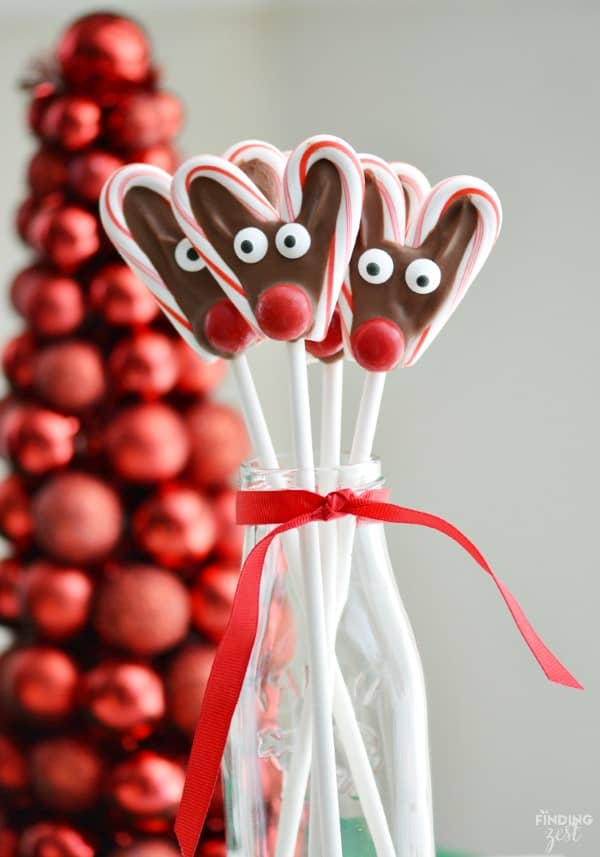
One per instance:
(358,477)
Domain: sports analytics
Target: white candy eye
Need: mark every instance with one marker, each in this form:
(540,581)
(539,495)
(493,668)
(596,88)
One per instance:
(375,266)
(292,240)
(187,257)
(250,244)
(423,276)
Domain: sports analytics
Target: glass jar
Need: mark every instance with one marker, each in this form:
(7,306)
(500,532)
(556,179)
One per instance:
(380,716)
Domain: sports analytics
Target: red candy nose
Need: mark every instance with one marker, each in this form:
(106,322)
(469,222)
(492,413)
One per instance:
(284,312)
(226,329)
(378,344)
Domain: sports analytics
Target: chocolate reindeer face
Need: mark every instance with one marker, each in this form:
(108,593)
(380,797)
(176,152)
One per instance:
(213,320)
(403,294)
(151,241)
(281,264)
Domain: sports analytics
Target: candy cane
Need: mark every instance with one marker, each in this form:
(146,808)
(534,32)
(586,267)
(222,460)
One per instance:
(345,160)
(416,187)
(240,186)
(394,219)
(489,222)
(113,219)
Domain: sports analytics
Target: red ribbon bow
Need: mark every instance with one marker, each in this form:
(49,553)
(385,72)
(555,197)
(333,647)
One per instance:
(293,509)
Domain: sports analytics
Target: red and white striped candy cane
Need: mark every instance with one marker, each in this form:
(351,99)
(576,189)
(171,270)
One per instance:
(245,191)
(113,219)
(345,160)
(258,150)
(394,226)
(416,187)
(489,222)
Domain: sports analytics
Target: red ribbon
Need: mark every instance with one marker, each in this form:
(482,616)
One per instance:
(293,509)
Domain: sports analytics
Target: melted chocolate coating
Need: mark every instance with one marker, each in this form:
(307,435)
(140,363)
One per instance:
(264,177)
(152,223)
(393,300)
(221,215)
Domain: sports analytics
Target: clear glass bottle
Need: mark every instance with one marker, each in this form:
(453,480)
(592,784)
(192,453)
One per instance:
(380,716)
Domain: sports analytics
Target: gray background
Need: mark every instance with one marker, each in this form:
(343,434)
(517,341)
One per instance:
(497,426)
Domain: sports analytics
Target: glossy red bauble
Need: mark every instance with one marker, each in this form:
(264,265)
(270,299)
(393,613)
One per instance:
(11,589)
(162,155)
(14,778)
(230,536)
(71,121)
(212,597)
(176,527)
(88,172)
(196,376)
(39,440)
(47,172)
(124,697)
(37,683)
(104,49)
(57,600)
(53,839)
(147,443)
(18,360)
(145,364)
(121,297)
(151,847)
(146,790)
(70,237)
(16,520)
(144,119)
(53,305)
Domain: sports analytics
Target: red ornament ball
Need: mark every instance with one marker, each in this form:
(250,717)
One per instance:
(54,305)
(37,683)
(16,522)
(71,121)
(9,843)
(185,684)
(69,376)
(65,774)
(230,536)
(121,297)
(77,518)
(145,364)
(144,119)
(47,172)
(176,527)
(39,440)
(70,237)
(147,443)
(212,598)
(34,217)
(11,584)
(126,698)
(18,360)
(104,49)
(162,155)
(57,600)
(88,172)
(24,285)
(14,778)
(213,848)
(146,789)
(154,847)
(142,609)
(53,839)
(219,443)
(196,376)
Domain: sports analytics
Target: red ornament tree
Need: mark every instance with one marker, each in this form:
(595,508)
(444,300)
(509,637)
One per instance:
(117,510)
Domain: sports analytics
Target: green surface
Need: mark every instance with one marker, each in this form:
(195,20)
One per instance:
(356,839)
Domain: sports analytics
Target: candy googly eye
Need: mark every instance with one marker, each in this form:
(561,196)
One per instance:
(292,240)
(375,266)
(250,244)
(423,276)
(187,257)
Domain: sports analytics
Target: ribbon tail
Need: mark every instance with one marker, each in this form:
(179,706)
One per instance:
(554,670)
(221,696)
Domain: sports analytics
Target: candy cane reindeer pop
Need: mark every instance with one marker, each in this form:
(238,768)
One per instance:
(136,212)
(284,270)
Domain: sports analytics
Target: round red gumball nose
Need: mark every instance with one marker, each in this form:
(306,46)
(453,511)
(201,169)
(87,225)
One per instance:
(284,312)
(378,344)
(226,329)
(332,344)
